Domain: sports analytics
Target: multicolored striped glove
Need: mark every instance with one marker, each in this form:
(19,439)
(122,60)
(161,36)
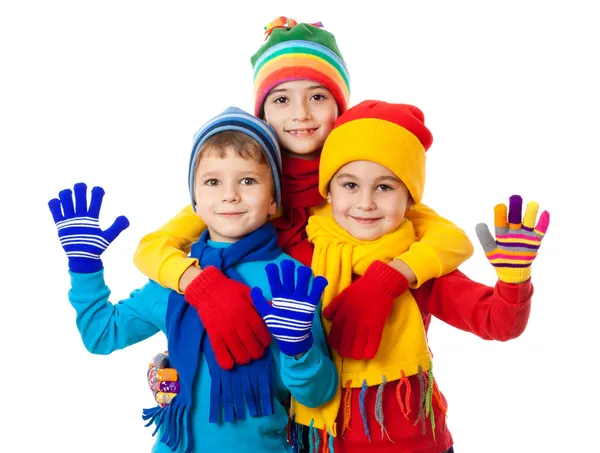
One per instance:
(517,242)
(162,380)
(79,229)
(290,316)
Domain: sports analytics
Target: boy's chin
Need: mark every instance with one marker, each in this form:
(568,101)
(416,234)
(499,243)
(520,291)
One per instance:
(367,234)
(231,234)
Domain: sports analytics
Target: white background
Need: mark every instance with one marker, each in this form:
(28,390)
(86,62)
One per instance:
(111,92)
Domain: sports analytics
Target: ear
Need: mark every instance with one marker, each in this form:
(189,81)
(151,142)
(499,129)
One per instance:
(272,207)
(329,197)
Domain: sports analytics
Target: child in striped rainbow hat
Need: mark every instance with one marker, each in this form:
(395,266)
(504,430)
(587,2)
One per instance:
(299,52)
(301,86)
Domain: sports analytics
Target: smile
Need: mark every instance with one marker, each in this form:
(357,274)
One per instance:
(230,214)
(366,220)
(301,133)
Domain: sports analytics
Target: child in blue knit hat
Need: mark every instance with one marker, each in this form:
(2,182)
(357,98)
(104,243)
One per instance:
(234,182)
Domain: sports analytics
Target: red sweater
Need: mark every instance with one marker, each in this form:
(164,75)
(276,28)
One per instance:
(499,313)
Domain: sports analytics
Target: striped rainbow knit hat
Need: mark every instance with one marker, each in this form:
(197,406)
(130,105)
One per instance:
(299,51)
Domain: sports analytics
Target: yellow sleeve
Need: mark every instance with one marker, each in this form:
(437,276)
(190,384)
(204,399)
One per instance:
(441,245)
(162,255)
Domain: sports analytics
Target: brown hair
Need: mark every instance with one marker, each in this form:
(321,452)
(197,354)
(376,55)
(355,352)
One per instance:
(244,145)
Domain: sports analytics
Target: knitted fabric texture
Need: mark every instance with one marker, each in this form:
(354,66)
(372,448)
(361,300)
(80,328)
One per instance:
(299,52)
(393,135)
(235,119)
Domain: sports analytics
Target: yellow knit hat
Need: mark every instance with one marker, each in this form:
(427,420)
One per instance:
(393,135)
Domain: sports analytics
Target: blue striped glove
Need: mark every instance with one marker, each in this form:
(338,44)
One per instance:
(79,230)
(290,316)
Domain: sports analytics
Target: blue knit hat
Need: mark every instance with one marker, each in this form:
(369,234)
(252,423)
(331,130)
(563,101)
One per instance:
(235,119)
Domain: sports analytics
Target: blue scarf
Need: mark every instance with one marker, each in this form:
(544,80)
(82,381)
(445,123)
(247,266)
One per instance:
(232,390)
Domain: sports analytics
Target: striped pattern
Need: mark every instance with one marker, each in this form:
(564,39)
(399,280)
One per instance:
(291,328)
(515,250)
(235,119)
(516,244)
(80,237)
(295,60)
(301,59)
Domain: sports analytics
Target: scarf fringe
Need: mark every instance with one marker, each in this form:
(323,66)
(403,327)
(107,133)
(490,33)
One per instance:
(404,405)
(171,418)
(242,387)
(428,395)
(379,409)
(363,414)
(347,407)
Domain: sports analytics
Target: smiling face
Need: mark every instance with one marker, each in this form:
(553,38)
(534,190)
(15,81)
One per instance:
(303,113)
(367,199)
(233,193)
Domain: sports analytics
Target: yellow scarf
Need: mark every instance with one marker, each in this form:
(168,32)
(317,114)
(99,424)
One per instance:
(403,349)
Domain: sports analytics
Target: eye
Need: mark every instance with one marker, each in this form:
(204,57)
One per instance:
(212,182)
(318,97)
(383,188)
(350,185)
(280,100)
(248,181)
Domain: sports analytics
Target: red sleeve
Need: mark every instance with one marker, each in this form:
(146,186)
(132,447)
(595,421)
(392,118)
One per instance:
(499,313)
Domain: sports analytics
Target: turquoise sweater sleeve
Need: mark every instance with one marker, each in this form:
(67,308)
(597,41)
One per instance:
(312,379)
(105,327)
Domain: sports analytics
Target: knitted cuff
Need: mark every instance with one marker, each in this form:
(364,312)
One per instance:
(202,285)
(388,279)
(300,347)
(513,274)
(84,265)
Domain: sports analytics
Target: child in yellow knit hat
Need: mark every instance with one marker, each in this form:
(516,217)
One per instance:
(372,170)
(301,85)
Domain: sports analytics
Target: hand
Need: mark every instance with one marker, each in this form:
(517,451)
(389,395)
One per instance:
(162,380)
(516,243)
(290,316)
(236,331)
(79,230)
(360,311)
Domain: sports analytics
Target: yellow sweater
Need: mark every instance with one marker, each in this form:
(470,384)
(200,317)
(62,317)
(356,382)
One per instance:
(440,248)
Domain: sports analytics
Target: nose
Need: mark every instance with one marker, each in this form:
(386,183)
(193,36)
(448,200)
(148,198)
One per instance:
(366,201)
(301,111)
(229,194)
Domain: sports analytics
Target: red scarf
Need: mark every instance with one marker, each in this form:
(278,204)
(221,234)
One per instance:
(300,192)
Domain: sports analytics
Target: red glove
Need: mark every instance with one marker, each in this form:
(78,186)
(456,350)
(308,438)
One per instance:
(236,331)
(360,311)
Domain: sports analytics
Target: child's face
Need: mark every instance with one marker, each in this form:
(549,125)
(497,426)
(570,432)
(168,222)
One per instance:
(234,196)
(303,113)
(367,199)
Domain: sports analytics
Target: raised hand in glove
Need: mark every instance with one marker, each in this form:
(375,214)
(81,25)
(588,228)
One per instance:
(79,230)
(517,241)
(290,315)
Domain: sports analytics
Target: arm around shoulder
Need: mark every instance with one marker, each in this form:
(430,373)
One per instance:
(162,254)
(441,247)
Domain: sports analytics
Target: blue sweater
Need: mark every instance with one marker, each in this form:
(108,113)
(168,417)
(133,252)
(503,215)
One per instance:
(105,327)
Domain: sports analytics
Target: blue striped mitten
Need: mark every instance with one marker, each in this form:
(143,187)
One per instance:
(79,229)
(290,316)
